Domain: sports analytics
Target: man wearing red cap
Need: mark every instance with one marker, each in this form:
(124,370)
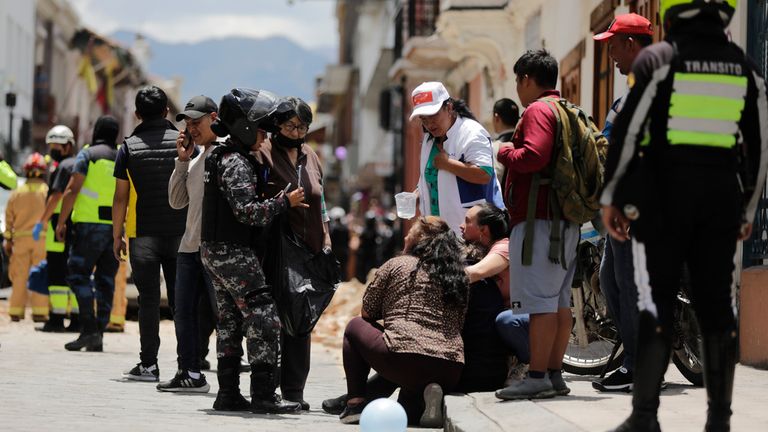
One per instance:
(627,35)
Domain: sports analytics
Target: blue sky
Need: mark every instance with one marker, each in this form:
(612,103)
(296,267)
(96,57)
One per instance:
(310,23)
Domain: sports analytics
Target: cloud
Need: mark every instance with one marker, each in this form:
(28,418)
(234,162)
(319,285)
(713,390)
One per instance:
(94,18)
(310,24)
(197,28)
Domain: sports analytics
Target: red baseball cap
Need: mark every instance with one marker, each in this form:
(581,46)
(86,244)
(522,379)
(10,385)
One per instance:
(630,23)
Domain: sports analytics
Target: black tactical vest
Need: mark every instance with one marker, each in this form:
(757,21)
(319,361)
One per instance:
(152,151)
(219,222)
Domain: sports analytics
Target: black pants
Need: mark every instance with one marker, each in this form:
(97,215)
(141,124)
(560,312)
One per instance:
(294,369)
(697,222)
(90,254)
(147,255)
(207,317)
(192,284)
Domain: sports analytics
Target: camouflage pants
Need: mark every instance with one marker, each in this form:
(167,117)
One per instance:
(246,306)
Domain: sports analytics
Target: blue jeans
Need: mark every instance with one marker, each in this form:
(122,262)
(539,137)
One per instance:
(91,247)
(192,281)
(513,330)
(147,254)
(617,282)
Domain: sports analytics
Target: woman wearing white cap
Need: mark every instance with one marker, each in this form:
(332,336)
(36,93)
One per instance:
(456,165)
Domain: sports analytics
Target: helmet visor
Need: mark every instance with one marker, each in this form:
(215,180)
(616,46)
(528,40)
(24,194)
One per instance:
(255,104)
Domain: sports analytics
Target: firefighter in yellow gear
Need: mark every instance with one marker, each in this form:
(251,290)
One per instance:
(25,207)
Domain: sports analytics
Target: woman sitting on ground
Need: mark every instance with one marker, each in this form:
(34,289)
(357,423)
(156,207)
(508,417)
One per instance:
(421,297)
(491,333)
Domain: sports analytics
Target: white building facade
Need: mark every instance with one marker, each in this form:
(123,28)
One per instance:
(17,46)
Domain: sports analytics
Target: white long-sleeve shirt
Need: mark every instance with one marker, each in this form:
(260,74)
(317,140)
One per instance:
(185,188)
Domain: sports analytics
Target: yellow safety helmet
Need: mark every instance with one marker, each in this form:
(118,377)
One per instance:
(673,9)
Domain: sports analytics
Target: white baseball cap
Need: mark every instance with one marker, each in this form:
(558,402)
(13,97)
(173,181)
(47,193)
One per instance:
(428,98)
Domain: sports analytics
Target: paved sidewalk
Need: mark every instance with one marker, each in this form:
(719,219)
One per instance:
(585,409)
(45,388)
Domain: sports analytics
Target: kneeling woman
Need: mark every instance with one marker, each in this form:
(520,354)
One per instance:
(421,297)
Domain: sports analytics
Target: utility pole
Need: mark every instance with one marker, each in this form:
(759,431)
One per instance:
(10,102)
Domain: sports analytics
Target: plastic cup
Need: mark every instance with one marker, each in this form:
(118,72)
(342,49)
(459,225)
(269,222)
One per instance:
(406,205)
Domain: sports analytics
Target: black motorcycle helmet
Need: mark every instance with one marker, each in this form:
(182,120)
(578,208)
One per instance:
(241,113)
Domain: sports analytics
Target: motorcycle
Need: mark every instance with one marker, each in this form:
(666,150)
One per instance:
(594,347)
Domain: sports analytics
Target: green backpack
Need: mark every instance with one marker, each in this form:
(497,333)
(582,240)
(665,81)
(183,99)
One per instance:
(575,176)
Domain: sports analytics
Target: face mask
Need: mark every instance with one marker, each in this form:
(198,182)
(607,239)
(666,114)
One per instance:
(285,142)
(56,155)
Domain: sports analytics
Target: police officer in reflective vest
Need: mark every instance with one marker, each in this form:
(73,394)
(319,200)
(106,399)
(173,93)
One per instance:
(88,198)
(686,166)
(233,209)
(61,143)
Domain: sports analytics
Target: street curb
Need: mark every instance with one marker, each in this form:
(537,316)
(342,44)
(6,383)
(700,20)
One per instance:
(482,412)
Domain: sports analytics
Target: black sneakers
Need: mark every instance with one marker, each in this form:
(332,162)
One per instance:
(619,381)
(141,373)
(183,383)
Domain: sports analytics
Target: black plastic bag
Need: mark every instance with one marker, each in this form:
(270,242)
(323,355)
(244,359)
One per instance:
(303,283)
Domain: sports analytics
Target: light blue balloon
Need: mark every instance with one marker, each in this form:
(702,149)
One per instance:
(383,415)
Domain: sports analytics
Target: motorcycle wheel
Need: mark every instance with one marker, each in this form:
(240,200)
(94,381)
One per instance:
(592,361)
(686,353)
(593,336)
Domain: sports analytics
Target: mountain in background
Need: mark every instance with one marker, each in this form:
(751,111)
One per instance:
(213,67)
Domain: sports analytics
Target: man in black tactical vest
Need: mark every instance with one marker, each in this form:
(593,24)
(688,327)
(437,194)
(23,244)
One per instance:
(143,167)
(233,210)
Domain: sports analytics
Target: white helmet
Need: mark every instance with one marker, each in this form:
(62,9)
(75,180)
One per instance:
(60,134)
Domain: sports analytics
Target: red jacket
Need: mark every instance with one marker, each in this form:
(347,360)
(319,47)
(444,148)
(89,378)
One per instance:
(530,152)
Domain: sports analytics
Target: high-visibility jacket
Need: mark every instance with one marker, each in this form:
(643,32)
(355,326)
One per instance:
(696,100)
(51,244)
(705,109)
(8,178)
(57,183)
(94,202)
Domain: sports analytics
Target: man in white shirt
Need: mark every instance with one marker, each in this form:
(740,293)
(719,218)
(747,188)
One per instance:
(185,188)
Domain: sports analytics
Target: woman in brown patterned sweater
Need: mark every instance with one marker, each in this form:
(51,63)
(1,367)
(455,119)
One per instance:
(421,297)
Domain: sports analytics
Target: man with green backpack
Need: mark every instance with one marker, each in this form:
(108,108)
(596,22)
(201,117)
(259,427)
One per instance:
(554,174)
